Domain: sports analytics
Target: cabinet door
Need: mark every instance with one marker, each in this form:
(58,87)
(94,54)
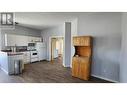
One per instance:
(31,39)
(75,67)
(18,40)
(21,40)
(37,39)
(82,41)
(26,57)
(85,41)
(84,68)
(10,40)
(76,41)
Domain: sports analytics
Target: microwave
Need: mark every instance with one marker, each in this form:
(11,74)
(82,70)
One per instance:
(31,44)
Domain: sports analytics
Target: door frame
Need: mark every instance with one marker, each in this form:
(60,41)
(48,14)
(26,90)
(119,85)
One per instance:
(50,47)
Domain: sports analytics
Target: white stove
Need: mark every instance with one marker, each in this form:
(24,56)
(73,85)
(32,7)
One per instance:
(34,56)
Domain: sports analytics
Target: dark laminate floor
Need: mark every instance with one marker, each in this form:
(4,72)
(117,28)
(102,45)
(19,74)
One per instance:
(45,72)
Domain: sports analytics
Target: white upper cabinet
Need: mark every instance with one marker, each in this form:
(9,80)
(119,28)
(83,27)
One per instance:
(19,40)
(10,40)
(30,39)
(34,39)
(15,40)
(38,39)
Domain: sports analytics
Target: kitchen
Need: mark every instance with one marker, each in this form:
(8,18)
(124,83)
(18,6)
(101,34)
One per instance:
(22,48)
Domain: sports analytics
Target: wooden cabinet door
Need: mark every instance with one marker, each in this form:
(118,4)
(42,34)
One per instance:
(75,67)
(85,41)
(82,41)
(76,41)
(84,68)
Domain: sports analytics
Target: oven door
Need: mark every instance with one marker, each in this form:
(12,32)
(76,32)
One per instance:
(34,54)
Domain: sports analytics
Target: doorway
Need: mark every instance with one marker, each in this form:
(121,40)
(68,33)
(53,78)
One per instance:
(57,49)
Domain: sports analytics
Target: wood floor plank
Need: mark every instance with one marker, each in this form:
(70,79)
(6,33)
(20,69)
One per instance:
(45,72)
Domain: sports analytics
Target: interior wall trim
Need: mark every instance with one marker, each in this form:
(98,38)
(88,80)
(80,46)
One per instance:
(105,78)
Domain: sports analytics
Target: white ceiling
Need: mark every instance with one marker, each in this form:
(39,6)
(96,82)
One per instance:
(41,20)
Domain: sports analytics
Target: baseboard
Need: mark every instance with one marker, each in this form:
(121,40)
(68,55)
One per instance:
(47,59)
(3,70)
(104,78)
(66,65)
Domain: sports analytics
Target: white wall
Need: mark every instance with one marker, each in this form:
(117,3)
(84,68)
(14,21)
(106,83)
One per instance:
(74,27)
(123,60)
(57,31)
(106,31)
(19,30)
(0,39)
(67,46)
(48,33)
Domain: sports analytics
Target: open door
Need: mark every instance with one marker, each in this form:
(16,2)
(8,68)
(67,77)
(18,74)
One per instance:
(57,49)
(53,44)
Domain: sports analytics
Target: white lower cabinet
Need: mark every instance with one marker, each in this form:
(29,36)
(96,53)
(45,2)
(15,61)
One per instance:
(26,57)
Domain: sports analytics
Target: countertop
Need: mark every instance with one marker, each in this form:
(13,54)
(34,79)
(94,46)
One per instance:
(20,52)
(14,53)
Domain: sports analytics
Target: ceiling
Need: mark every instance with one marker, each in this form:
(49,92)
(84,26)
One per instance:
(42,20)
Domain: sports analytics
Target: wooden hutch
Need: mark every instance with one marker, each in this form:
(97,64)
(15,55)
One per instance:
(81,61)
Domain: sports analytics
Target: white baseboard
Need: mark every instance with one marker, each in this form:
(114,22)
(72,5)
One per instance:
(66,65)
(104,78)
(3,70)
(47,59)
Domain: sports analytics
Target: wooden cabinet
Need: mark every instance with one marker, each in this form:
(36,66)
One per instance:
(84,68)
(81,62)
(81,67)
(75,65)
(82,41)
(76,41)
